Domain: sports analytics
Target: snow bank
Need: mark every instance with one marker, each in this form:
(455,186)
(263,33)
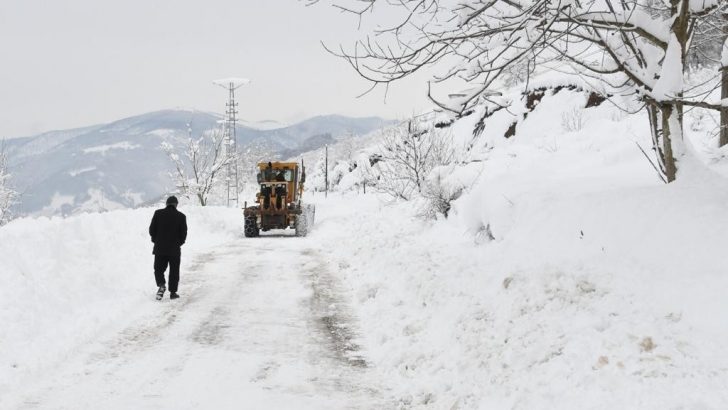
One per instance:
(567,276)
(603,300)
(65,279)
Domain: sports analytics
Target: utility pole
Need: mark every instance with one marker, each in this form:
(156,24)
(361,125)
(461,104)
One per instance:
(230,136)
(326,172)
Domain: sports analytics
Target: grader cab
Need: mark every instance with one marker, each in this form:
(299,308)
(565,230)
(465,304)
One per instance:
(278,203)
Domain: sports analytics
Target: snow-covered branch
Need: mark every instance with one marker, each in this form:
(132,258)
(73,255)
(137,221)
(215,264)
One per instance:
(632,47)
(407,155)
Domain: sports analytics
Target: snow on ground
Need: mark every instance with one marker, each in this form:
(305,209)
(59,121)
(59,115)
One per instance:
(595,301)
(135,198)
(66,279)
(260,322)
(590,300)
(248,332)
(77,172)
(58,202)
(163,132)
(567,276)
(103,149)
(95,200)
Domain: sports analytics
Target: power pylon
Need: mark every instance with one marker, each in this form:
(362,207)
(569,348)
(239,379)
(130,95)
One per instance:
(230,136)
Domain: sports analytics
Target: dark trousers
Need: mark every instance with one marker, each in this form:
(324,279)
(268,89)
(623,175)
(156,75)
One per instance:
(160,265)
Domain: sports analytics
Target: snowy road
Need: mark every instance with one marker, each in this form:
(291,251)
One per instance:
(260,324)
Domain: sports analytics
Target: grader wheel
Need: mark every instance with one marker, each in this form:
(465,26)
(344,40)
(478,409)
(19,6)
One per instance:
(251,228)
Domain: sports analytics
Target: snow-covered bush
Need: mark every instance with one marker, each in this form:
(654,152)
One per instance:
(439,194)
(408,154)
(573,120)
(316,175)
(341,168)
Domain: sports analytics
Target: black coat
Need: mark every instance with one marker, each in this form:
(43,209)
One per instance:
(168,231)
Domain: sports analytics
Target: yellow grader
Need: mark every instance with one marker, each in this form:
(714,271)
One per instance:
(278,203)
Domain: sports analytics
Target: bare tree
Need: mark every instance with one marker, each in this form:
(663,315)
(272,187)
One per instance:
(201,165)
(708,38)
(8,195)
(709,45)
(630,47)
(407,157)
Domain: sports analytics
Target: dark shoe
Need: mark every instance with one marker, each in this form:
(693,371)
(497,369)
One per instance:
(160,292)
(173,295)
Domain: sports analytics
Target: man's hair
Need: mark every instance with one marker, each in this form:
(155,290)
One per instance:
(172,200)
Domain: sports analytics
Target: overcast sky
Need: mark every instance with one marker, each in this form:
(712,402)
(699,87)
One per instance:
(72,63)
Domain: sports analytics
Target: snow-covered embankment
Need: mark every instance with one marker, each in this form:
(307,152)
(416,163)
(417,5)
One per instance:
(567,275)
(64,280)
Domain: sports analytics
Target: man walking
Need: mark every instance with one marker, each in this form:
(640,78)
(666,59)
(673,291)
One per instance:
(169,232)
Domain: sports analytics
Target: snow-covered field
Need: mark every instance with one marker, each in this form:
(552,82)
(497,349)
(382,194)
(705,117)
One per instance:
(566,276)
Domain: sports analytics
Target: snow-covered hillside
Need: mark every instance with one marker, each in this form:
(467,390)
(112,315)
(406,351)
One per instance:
(567,275)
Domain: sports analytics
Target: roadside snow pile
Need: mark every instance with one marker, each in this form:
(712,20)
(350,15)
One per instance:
(566,276)
(63,280)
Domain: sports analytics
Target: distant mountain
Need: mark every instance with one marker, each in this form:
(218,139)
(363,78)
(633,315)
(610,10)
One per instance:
(309,144)
(336,125)
(263,125)
(120,164)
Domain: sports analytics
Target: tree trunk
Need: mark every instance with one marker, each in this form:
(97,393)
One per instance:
(202,199)
(672,113)
(667,136)
(656,131)
(724,89)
